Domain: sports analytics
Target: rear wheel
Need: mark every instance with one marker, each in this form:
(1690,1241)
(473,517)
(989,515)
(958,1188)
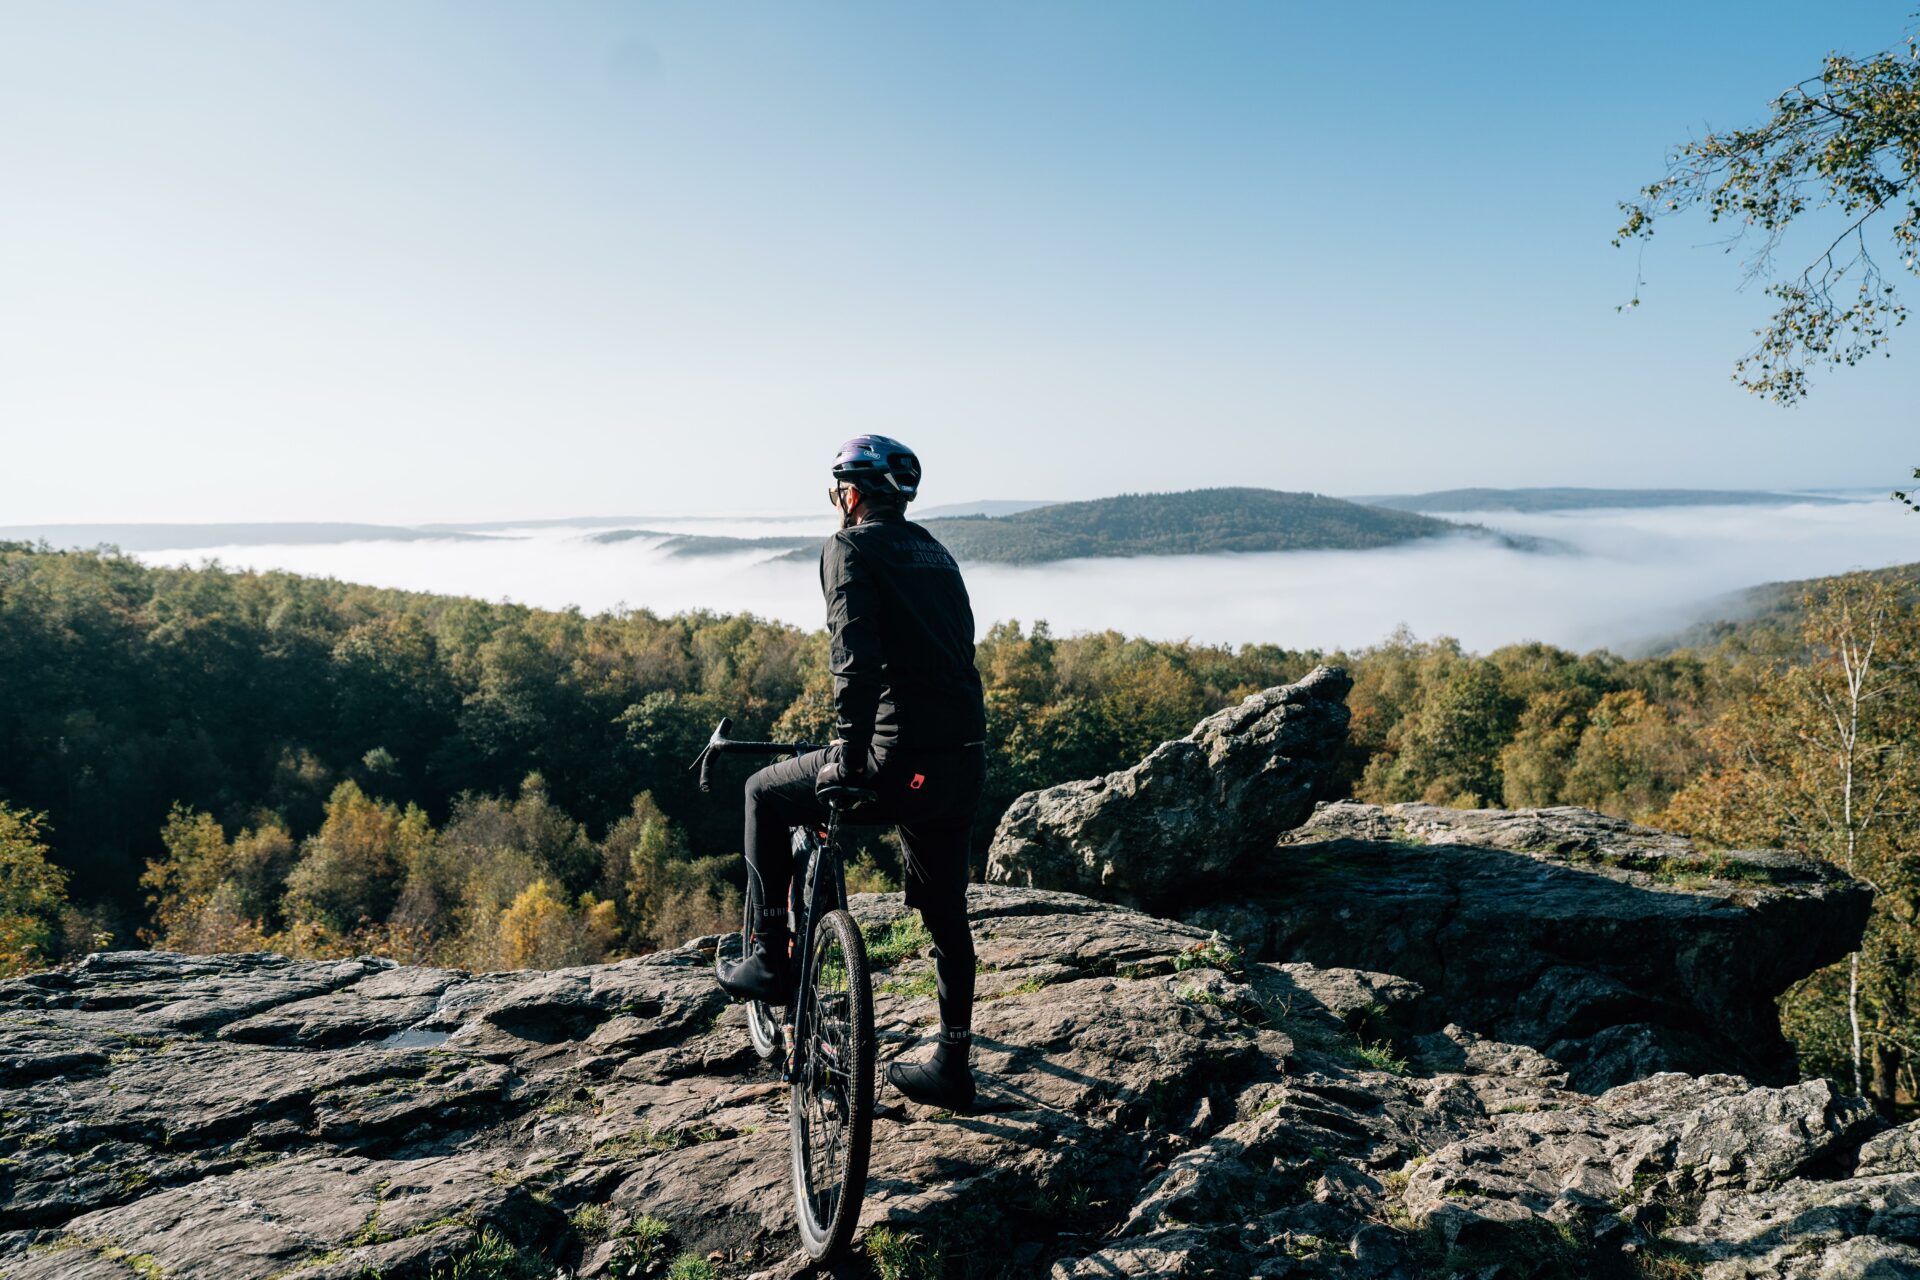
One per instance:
(832,1097)
(762,1027)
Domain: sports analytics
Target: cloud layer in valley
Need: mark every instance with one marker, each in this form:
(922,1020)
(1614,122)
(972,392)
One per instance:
(1627,575)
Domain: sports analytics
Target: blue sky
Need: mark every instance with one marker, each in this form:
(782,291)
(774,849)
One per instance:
(464,261)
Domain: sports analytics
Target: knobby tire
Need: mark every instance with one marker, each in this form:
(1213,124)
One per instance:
(831,1101)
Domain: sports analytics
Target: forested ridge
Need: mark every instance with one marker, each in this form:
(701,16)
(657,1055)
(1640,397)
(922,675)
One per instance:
(211,760)
(1193,522)
(1196,522)
(1576,499)
(1774,607)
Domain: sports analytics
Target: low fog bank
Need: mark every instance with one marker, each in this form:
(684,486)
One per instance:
(1631,575)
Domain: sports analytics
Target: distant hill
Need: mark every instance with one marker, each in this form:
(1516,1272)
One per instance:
(1197,522)
(694,544)
(186,537)
(635,524)
(985,507)
(1582,499)
(1749,614)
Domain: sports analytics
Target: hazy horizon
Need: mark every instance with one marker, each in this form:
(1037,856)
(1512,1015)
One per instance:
(1630,575)
(927,509)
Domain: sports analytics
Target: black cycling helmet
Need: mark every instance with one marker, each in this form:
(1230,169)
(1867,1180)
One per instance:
(879,467)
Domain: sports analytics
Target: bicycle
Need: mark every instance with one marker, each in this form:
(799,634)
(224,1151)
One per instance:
(829,1063)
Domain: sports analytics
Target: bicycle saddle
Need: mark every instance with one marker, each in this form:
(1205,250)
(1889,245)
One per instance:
(844,798)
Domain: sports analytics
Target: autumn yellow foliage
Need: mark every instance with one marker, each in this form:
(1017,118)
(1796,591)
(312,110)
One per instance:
(32,892)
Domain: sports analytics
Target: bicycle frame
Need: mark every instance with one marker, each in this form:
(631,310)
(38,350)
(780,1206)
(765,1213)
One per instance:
(824,862)
(826,1041)
(823,859)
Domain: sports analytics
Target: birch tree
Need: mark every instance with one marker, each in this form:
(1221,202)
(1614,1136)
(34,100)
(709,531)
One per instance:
(1824,759)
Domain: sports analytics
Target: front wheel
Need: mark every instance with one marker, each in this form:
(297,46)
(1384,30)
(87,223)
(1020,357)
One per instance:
(832,1097)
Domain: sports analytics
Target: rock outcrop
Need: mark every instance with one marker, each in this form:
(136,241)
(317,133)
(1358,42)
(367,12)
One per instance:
(1618,950)
(1152,1105)
(1386,1044)
(1188,814)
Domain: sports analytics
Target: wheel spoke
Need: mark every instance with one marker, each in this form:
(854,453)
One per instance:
(831,1105)
(827,1078)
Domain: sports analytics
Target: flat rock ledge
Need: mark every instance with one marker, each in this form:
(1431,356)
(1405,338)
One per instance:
(1616,949)
(1153,1105)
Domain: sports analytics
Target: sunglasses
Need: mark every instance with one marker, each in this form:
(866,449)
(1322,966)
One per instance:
(836,495)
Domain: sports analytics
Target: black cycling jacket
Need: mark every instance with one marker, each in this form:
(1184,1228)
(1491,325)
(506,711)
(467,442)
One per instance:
(900,629)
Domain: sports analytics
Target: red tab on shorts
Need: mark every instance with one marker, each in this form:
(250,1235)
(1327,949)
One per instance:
(918,780)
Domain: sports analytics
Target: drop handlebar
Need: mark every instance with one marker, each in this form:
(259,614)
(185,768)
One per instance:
(720,743)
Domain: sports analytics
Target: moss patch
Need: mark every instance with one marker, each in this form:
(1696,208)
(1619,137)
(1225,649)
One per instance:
(921,984)
(647,1139)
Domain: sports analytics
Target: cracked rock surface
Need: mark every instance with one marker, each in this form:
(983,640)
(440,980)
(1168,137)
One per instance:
(1152,1105)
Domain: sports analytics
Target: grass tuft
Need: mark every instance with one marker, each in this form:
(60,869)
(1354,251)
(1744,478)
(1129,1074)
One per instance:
(1026,988)
(901,1255)
(1661,1261)
(1379,1055)
(643,1246)
(691,1266)
(1215,953)
(890,945)
(494,1257)
(646,1138)
(924,984)
(591,1222)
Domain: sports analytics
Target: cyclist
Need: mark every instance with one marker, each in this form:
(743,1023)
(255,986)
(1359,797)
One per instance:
(910,726)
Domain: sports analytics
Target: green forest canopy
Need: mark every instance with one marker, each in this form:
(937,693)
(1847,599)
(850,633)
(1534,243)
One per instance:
(216,760)
(1575,499)
(125,689)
